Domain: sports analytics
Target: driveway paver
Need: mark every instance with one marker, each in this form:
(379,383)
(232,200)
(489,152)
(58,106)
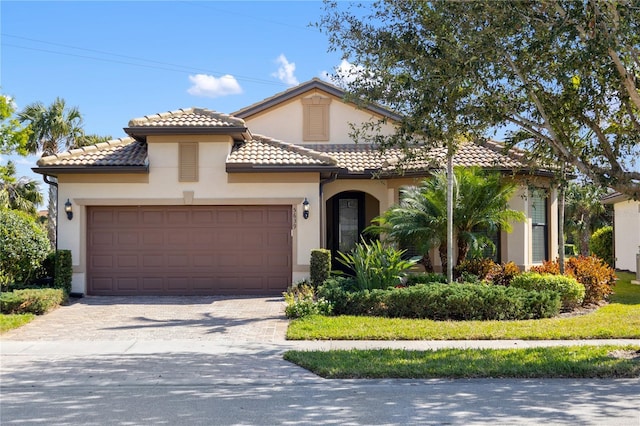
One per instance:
(238,319)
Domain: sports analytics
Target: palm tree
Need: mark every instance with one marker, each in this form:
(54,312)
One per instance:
(420,219)
(18,193)
(416,221)
(53,129)
(481,203)
(584,212)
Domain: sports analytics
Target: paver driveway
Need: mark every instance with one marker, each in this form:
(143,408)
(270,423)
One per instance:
(238,319)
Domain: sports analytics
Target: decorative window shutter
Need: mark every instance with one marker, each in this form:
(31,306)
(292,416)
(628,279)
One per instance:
(316,118)
(188,158)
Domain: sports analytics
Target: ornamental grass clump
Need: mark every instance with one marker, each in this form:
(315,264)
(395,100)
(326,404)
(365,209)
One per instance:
(301,301)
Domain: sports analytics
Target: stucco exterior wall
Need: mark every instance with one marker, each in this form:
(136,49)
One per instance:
(214,187)
(626,234)
(285,122)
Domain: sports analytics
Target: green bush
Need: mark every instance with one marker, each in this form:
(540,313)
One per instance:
(570,290)
(63,270)
(34,301)
(301,301)
(376,266)
(426,278)
(320,266)
(601,244)
(24,246)
(444,302)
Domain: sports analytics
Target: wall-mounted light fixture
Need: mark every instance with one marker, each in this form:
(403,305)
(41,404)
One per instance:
(68,209)
(305,208)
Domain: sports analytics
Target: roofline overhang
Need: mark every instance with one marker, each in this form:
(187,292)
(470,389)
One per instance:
(614,198)
(253,168)
(57,170)
(140,133)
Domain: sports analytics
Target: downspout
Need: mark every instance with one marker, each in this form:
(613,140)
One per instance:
(50,182)
(332,177)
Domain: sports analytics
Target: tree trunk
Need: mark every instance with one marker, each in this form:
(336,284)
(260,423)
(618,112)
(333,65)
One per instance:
(450,215)
(426,262)
(561,199)
(463,249)
(442,251)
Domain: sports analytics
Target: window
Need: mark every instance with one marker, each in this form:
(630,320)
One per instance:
(188,162)
(539,227)
(316,118)
(489,243)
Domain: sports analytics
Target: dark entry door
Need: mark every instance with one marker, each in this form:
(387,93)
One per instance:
(348,222)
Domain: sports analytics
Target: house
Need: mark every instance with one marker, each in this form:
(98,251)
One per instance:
(194,201)
(626,231)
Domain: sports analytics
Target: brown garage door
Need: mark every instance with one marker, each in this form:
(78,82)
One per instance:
(188,250)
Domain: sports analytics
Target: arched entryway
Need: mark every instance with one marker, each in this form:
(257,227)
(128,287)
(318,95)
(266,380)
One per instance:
(348,214)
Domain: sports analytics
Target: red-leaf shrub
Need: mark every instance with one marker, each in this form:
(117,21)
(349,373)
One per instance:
(503,274)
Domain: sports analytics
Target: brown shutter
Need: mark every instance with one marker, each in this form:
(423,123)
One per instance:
(188,158)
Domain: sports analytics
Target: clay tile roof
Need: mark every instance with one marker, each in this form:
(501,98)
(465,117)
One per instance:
(361,158)
(188,117)
(118,153)
(264,151)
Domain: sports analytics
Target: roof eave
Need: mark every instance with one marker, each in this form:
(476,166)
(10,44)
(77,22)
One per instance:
(255,168)
(56,170)
(140,133)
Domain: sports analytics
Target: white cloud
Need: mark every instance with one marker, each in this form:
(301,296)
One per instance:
(343,74)
(285,71)
(213,87)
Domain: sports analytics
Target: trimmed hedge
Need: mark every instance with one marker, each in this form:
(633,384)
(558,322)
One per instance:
(601,244)
(570,290)
(426,278)
(64,270)
(33,301)
(444,302)
(320,266)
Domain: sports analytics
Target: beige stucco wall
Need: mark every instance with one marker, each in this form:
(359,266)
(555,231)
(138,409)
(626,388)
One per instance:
(626,234)
(214,187)
(285,122)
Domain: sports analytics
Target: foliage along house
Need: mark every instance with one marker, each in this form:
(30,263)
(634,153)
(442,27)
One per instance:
(198,202)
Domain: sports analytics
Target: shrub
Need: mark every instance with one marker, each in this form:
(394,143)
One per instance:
(376,266)
(570,290)
(479,267)
(301,302)
(63,270)
(320,266)
(601,244)
(426,278)
(446,302)
(503,274)
(597,277)
(34,301)
(547,267)
(24,246)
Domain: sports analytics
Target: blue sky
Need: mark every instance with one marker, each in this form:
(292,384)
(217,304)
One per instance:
(119,60)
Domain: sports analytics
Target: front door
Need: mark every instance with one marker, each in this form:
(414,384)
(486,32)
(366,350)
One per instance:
(347,224)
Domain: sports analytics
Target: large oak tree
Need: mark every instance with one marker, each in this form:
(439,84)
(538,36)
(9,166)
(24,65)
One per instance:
(561,75)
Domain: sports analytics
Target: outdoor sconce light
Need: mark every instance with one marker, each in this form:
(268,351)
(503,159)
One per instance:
(68,209)
(305,208)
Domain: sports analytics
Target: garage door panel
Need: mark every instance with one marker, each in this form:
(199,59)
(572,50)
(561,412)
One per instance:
(189,250)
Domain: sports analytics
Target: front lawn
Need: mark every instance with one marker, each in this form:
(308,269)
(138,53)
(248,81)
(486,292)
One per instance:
(618,319)
(11,321)
(556,362)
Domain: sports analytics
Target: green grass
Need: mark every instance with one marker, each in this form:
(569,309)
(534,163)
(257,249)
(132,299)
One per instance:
(618,319)
(557,362)
(11,321)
